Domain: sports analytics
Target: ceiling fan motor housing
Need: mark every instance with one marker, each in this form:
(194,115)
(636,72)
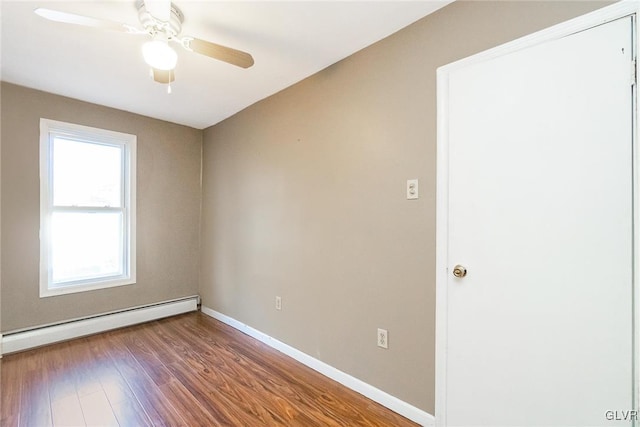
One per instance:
(155,26)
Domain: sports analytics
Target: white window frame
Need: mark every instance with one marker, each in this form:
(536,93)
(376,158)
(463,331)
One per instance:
(50,129)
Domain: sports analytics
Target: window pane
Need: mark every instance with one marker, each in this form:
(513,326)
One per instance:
(86,245)
(86,174)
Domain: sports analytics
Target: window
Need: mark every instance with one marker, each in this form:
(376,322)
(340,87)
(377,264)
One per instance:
(87,208)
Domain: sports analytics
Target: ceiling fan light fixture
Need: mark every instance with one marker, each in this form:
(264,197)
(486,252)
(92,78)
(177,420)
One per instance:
(158,54)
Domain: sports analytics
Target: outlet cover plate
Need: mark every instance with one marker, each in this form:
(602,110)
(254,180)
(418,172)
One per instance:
(383,338)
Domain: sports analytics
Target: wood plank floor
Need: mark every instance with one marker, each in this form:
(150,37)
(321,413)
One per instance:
(188,370)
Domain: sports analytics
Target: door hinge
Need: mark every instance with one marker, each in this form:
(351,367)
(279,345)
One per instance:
(634,73)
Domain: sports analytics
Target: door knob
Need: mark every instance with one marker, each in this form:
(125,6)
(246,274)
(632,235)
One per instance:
(459,271)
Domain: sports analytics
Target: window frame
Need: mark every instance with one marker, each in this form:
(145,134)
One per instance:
(49,130)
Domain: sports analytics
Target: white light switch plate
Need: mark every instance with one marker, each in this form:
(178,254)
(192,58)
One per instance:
(412,189)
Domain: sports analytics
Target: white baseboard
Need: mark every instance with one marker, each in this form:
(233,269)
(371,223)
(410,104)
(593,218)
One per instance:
(36,337)
(403,408)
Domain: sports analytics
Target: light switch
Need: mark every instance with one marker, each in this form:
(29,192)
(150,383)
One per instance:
(412,189)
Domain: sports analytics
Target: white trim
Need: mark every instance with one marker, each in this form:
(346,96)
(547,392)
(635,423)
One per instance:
(575,25)
(36,337)
(636,231)
(403,408)
(590,20)
(442,250)
(49,129)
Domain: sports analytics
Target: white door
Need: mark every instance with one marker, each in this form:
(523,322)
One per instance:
(539,332)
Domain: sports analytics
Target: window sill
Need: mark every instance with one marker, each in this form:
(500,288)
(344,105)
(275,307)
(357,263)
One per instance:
(46,291)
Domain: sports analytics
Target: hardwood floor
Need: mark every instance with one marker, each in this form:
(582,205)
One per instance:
(188,370)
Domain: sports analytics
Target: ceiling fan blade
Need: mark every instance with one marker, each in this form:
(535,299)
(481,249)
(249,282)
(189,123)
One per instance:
(159,9)
(163,76)
(86,21)
(216,51)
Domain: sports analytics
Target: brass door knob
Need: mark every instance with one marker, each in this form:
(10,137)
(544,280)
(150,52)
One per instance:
(459,271)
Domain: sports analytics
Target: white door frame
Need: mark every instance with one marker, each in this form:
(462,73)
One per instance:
(598,17)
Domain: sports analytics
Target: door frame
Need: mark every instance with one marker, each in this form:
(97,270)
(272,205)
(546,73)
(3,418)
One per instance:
(590,20)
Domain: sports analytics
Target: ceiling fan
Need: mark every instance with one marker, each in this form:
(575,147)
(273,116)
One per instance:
(162,21)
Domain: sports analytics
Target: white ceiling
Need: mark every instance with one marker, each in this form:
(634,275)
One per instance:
(289,41)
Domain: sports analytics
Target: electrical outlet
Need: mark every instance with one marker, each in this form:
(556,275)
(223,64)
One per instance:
(278,303)
(383,338)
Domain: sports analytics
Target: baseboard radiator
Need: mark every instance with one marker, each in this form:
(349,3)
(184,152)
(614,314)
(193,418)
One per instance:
(12,342)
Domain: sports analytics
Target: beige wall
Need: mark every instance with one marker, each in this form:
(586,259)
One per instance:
(168,209)
(304,197)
